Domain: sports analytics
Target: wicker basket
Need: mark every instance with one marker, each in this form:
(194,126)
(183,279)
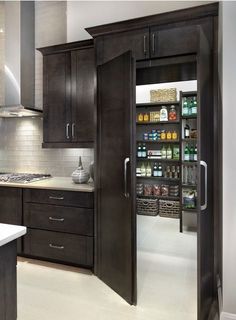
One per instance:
(169,209)
(147,207)
(163,95)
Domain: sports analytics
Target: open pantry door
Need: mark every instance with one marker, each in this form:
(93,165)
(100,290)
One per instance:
(116,218)
(205,178)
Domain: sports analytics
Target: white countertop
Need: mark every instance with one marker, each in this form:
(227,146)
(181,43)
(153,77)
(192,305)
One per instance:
(55,183)
(10,232)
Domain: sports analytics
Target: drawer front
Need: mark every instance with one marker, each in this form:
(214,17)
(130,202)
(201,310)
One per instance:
(64,247)
(63,198)
(59,218)
(173,41)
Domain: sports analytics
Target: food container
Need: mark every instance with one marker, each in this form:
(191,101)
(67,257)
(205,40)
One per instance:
(163,95)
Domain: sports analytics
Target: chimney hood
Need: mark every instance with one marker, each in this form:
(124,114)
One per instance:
(17,97)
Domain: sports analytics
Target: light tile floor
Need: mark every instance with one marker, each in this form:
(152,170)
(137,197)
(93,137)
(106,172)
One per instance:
(166,282)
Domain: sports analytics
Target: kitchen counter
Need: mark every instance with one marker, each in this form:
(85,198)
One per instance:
(54,183)
(9,232)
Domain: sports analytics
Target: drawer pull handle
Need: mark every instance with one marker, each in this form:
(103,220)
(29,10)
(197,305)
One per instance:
(56,219)
(56,198)
(56,247)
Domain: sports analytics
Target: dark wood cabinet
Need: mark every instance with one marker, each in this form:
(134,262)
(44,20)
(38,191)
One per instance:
(60,226)
(114,45)
(171,41)
(69,79)
(11,208)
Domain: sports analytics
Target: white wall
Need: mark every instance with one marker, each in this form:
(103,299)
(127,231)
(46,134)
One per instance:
(82,14)
(229,153)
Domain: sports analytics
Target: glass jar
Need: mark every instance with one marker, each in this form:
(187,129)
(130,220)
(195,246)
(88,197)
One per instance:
(172,113)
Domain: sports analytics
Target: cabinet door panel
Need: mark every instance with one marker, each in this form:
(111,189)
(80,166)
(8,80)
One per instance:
(56,93)
(116,256)
(173,41)
(83,95)
(113,45)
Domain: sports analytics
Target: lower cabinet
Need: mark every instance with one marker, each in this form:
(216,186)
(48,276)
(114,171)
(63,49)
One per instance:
(60,226)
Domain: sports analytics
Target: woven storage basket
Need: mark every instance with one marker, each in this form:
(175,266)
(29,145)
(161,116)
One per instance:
(163,95)
(147,207)
(169,209)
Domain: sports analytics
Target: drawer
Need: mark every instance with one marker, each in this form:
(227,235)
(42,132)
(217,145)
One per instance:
(63,247)
(58,218)
(63,198)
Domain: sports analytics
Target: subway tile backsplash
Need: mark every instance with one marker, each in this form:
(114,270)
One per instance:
(21,150)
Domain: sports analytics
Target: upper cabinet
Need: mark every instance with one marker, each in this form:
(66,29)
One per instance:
(113,45)
(69,80)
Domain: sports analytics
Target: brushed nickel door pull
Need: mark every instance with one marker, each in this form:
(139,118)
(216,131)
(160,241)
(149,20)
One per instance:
(204,164)
(144,44)
(56,219)
(153,42)
(53,246)
(56,198)
(73,130)
(67,131)
(126,193)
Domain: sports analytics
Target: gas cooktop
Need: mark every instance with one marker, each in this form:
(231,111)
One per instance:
(23,177)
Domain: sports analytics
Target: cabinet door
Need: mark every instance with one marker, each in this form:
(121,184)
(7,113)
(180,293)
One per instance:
(116,220)
(173,41)
(111,46)
(56,98)
(83,95)
(11,208)
(205,176)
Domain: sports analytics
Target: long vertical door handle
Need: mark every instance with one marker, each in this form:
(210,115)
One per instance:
(67,131)
(126,193)
(73,130)
(145,44)
(153,43)
(204,164)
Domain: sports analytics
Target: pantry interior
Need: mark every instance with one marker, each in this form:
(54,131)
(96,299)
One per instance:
(166,188)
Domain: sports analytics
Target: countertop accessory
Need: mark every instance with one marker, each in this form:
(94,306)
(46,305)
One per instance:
(80,175)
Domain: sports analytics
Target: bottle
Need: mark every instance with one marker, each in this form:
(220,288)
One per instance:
(159,170)
(190,103)
(163,152)
(194,106)
(174,135)
(191,155)
(195,153)
(163,114)
(155,171)
(139,151)
(144,151)
(146,117)
(185,107)
(148,170)
(168,135)
(140,117)
(163,135)
(186,131)
(172,114)
(169,153)
(186,153)
(143,170)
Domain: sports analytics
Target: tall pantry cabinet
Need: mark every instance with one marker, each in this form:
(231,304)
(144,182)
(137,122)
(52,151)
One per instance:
(174,46)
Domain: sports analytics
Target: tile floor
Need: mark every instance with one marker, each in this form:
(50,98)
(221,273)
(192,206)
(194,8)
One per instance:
(166,282)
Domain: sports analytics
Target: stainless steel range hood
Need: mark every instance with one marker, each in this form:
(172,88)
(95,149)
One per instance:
(18,80)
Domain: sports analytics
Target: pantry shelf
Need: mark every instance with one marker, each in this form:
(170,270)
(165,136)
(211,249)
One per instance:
(189,163)
(190,117)
(189,140)
(189,185)
(156,123)
(158,141)
(158,178)
(193,210)
(158,160)
(154,104)
(158,197)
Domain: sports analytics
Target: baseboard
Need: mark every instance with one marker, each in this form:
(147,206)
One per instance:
(227,316)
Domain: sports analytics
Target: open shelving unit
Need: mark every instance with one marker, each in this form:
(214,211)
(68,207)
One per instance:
(178,126)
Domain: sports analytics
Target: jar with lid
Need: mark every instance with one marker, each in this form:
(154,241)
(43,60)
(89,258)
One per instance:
(172,113)
(163,114)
